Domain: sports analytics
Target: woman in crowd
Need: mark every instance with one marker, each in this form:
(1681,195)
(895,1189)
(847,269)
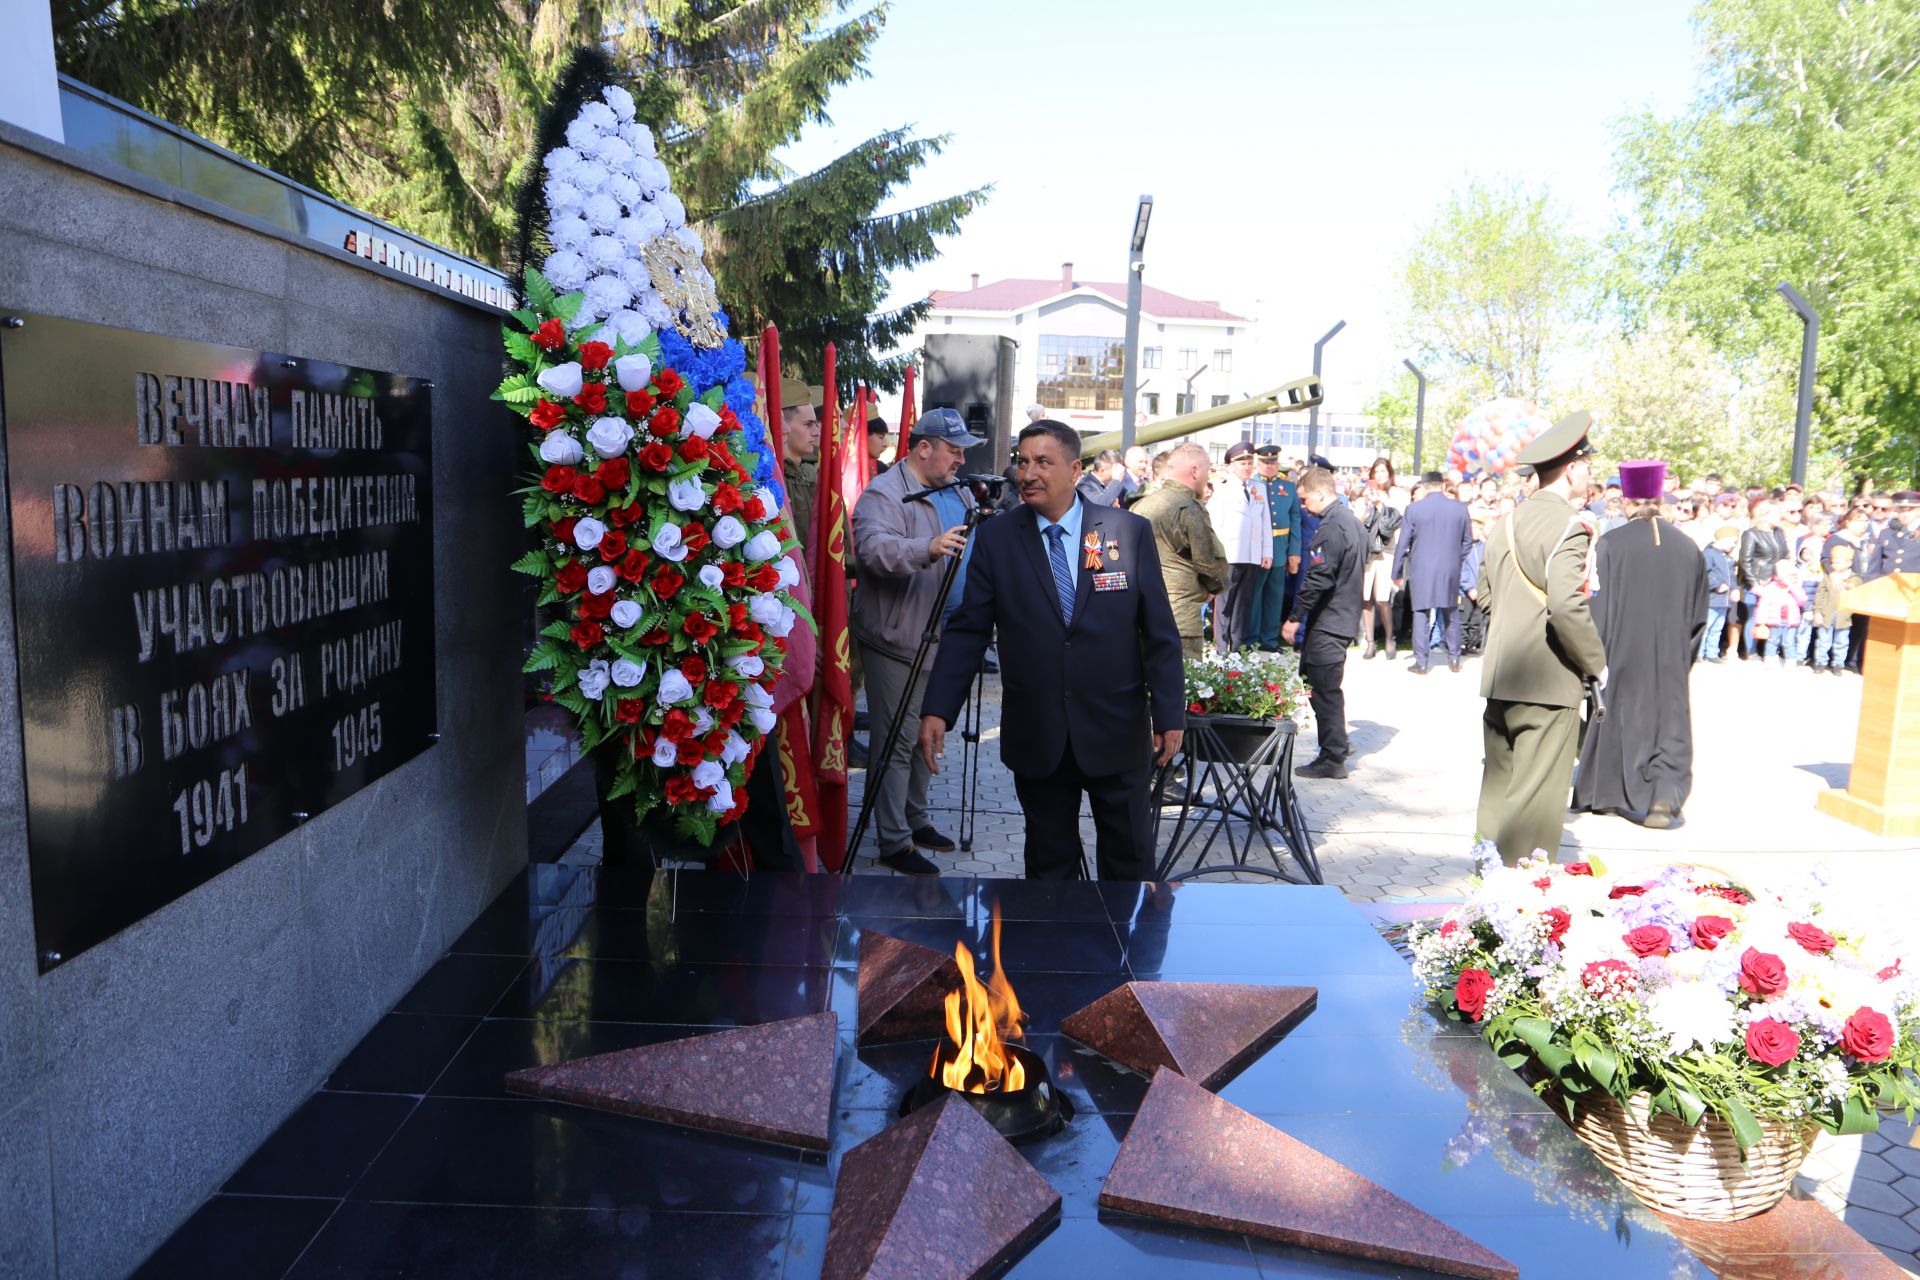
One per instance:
(1373,506)
(1762,547)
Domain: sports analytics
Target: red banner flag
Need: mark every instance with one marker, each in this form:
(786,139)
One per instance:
(833,693)
(908,414)
(854,466)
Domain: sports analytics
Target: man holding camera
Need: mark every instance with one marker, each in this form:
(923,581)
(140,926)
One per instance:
(903,535)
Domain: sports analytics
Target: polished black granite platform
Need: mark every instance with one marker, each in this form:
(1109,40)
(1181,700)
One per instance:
(413,1160)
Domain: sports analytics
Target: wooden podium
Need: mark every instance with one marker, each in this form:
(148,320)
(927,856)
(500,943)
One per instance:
(1883,791)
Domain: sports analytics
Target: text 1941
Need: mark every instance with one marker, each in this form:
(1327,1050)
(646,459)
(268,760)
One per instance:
(211,805)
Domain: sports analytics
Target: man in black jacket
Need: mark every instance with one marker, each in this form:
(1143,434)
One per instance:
(1092,671)
(1328,609)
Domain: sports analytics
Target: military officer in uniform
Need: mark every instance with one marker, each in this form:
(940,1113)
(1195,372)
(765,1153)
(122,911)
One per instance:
(1191,559)
(800,467)
(1274,595)
(1542,647)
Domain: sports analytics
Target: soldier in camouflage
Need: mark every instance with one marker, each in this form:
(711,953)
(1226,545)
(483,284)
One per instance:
(1192,560)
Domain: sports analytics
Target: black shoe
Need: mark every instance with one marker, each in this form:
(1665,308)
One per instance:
(1322,768)
(1418,668)
(1659,816)
(908,863)
(1173,790)
(932,841)
(1454,666)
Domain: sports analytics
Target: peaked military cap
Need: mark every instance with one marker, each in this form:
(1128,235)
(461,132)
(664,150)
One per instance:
(1567,436)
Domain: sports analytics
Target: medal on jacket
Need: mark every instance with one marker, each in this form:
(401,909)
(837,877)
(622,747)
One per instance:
(1113,548)
(1091,545)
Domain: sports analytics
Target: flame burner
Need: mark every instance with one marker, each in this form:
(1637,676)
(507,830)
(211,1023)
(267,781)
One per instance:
(1034,1111)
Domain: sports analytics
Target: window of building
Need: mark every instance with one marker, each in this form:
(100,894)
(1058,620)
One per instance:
(1150,357)
(1183,402)
(1189,356)
(1151,401)
(1081,373)
(1223,360)
(1218,401)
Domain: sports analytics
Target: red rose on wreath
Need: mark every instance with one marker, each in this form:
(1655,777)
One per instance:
(563,528)
(693,448)
(722,692)
(1772,1042)
(656,457)
(621,517)
(1649,940)
(755,511)
(1762,974)
(1579,868)
(656,637)
(629,710)
(593,397)
(547,415)
(1816,940)
(694,668)
(614,473)
(733,573)
(693,536)
(594,355)
(613,545)
(666,583)
(716,741)
(589,490)
(1557,922)
(731,716)
(691,752)
(666,421)
(1707,931)
(633,565)
(1627,891)
(764,577)
(727,499)
(699,627)
(1868,1035)
(571,578)
(600,606)
(639,404)
(1197,708)
(587,634)
(551,335)
(680,790)
(559,479)
(1470,992)
(669,383)
(676,726)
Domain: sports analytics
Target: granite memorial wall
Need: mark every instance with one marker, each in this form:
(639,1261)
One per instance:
(259,705)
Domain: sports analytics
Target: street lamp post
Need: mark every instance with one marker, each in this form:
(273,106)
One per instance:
(1130,376)
(1803,409)
(1313,414)
(1191,406)
(1419,410)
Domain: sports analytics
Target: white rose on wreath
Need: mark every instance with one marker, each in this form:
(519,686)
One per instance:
(685,494)
(711,576)
(674,687)
(667,545)
(627,673)
(601,579)
(728,533)
(595,677)
(722,798)
(609,437)
(666,752)
(563,381)
(699,421)
(587,533)
(560,449)
(633,372)
(764,545)
(625,614)
(789,572)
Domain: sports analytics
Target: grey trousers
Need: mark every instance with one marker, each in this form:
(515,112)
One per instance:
(900,804)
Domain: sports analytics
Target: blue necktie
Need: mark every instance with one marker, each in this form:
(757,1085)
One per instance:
(1062,575)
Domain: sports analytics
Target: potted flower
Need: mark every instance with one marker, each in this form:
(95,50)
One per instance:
(1245,698)
(1697,1032)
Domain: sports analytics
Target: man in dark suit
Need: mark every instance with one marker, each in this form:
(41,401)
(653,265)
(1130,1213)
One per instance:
(1327,609)
(1092,673)
(1435,536)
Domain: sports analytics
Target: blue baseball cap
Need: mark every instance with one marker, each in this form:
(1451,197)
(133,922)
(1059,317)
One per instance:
(944,424)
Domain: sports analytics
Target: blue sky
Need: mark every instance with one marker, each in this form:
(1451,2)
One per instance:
(1293,150)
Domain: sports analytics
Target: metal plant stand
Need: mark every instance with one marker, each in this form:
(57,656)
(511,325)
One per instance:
(1238,775)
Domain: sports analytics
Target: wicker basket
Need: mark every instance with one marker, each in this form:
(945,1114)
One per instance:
(1693,1171)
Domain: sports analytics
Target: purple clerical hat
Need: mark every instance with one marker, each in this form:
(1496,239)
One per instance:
(1640,481)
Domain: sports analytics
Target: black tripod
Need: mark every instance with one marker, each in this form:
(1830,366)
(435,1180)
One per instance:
(877,762)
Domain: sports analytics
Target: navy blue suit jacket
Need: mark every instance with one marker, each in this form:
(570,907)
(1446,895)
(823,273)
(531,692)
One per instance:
(1106,684)
(1435,536)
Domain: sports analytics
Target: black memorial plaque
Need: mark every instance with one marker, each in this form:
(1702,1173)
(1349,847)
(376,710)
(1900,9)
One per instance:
(223,604)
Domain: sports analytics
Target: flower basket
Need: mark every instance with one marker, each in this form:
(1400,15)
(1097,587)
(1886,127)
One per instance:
(1693,1171)
(1697,1032)
(1242,737)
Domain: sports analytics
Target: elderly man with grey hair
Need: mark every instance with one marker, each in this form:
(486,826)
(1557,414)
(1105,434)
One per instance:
(1036,411)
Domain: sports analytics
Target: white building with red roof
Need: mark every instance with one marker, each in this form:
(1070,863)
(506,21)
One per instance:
(1071,337)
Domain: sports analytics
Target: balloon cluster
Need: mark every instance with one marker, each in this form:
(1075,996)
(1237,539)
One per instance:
(1489,439)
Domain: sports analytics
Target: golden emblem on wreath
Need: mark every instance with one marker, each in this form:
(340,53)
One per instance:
(685,285)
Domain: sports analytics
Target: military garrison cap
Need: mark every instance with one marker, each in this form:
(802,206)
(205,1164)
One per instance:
(1567,436)
(1267,451)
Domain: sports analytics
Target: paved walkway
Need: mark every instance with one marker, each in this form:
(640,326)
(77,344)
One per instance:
(1398,830)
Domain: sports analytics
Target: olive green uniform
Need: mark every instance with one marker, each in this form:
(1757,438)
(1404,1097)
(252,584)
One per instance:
(1191,558)
(1541,642)
(802,478)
